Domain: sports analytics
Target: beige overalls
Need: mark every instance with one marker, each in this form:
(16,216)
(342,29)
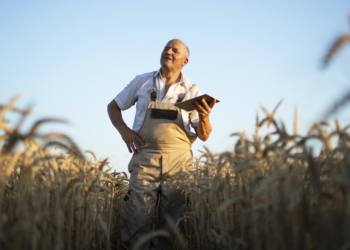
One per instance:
(157,169)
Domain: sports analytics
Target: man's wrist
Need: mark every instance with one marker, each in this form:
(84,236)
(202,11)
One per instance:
(121,127)
(204,119)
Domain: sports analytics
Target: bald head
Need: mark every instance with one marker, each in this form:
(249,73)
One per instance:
(174,56)
(181,42)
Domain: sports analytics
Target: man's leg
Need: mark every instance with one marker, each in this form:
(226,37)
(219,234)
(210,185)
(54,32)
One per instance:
(140,207)
(172,203)
(172,199)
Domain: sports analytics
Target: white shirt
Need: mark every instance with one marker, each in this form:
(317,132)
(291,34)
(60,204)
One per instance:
(138,90)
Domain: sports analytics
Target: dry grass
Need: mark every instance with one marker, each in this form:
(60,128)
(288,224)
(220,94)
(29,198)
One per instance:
(54,201)
(338,44)
(271,192)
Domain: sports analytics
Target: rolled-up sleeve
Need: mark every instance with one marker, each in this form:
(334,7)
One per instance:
(128,96)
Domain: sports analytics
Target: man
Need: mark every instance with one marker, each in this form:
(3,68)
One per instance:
(161,141)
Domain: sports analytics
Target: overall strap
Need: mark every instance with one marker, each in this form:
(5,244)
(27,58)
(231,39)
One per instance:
(154,90)
(183,96)
(192,88)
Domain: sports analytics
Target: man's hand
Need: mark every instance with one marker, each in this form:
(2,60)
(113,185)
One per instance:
(131,139)
(204,128)
(204,110)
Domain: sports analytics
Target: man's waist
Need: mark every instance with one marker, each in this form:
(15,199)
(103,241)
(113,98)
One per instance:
(167,146)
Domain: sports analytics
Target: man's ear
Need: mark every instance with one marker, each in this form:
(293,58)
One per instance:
(185,62)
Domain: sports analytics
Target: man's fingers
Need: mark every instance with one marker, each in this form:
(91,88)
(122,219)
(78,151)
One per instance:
(129,143)
(199,107)
(136,140)
(139,140)
(131,140)
(129,148)
(205,104)
(212,103)
(132,147)
(136,146)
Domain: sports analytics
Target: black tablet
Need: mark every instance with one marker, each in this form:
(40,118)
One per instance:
(188,104)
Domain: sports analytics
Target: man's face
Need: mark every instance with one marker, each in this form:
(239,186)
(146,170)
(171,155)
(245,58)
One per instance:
(174,55)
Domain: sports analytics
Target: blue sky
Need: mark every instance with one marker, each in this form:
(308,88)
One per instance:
(71,58)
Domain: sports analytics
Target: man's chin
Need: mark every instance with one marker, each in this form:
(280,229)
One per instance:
(167,64)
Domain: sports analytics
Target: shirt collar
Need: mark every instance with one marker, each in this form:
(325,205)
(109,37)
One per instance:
(182,81)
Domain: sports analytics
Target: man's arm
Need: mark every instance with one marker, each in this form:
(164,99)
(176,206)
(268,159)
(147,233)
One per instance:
(204,128)
(129,136)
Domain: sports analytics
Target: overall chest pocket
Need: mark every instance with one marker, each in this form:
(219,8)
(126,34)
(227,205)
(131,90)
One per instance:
(164,114)
(164,126)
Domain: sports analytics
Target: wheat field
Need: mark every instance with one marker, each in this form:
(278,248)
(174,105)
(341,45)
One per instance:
(54,200)
(270,192)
